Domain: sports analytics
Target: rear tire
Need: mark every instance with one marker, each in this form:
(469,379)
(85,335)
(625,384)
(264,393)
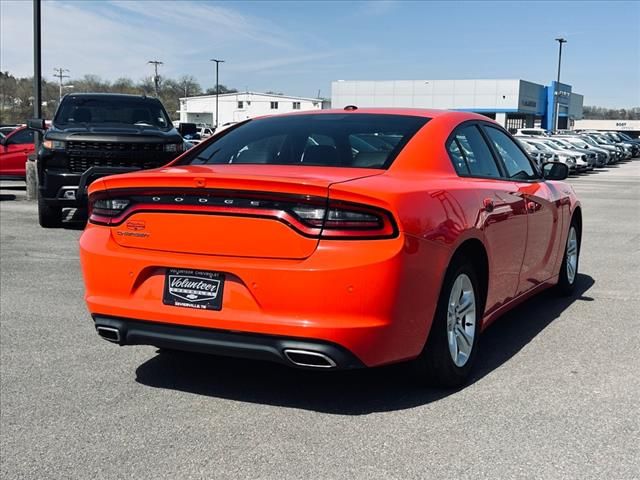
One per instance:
(570,261)
(452,345)
(48,216)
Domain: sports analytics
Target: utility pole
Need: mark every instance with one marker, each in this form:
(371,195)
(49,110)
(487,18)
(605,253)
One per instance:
(556,119)
(218,62)
(31,168)
(156,79)
(60,75)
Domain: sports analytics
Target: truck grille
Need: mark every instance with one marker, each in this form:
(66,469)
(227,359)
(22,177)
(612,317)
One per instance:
(84,155)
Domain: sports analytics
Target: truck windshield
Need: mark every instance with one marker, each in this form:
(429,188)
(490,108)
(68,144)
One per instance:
(112,110)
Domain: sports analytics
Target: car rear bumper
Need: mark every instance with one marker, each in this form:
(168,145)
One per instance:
(371,298)
(289,351)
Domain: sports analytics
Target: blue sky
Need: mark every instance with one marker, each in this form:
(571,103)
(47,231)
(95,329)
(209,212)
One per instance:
(299,47)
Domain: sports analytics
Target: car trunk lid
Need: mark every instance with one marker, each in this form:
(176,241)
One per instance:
(230,210)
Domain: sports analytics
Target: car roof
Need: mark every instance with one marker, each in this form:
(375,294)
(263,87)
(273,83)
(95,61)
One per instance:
(106,94)
(416,112)
(450,118)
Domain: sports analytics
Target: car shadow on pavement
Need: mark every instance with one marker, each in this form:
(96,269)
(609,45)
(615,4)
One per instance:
(355,392)
(11,186)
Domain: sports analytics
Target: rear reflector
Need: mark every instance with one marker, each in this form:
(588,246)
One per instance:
(310,216)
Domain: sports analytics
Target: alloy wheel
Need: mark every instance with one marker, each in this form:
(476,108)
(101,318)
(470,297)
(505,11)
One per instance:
(461,320)
(572,254)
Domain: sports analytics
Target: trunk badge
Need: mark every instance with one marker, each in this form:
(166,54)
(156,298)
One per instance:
(136,225)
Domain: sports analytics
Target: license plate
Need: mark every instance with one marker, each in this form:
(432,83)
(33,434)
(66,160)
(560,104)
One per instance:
(193,289)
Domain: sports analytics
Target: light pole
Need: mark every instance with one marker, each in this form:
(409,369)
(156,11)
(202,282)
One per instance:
(556,119)
(156,79)
(60,75)
(218,62)
(31,172)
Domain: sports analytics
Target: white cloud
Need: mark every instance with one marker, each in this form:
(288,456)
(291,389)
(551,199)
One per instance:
(114,39)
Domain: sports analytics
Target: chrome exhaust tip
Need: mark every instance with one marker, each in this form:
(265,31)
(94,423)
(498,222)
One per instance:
(306,358)
(109,333)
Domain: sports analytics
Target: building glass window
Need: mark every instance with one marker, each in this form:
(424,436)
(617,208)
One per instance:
(274,105)
(296,105)
(240,104)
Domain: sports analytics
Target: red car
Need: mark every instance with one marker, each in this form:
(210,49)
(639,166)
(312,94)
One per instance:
(14,150)
(332,239)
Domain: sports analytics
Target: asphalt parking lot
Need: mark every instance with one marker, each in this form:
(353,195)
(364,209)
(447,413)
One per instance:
(556,392)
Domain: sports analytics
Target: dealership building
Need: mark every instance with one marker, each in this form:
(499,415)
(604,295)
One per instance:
(512,103)
(235,107)
(632,127)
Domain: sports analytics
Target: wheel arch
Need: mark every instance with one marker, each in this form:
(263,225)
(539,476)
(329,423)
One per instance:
(577,214)
(474,250)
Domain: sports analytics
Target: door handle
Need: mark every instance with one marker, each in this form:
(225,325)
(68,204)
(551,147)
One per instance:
(488,205)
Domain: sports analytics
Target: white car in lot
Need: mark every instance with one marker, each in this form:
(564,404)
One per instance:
(532,131)
(563,156)
(206,132)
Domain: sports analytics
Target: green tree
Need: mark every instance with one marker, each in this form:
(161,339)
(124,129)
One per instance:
(221,89)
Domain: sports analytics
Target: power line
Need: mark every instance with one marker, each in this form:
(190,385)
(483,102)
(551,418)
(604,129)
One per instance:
(60,75)
(156,79)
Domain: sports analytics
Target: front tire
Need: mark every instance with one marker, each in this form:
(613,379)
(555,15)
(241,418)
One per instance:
(570,261)
(451,348)
(48,216)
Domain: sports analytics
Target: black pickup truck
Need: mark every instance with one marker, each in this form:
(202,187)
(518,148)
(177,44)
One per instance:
(93,135)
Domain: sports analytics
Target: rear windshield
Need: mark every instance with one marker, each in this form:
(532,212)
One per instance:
(113,110)
(335,140)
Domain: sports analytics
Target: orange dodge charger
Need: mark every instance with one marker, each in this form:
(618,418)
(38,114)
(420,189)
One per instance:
(333,239)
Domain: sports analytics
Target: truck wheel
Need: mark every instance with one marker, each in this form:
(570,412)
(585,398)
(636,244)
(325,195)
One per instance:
(48,216)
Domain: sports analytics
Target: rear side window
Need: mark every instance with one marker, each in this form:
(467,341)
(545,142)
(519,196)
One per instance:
(515,161)
(471,155)
(340,140)
(459,161)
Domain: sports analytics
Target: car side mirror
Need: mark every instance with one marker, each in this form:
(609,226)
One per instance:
(37,124)
(555,171)
(3,141)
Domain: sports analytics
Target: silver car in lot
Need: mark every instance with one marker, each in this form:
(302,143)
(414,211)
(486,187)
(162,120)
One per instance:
(627,143)
(603,157)
(581,163)
(602,139)
(615,152)
(585,154)
(633,141)
(556,156)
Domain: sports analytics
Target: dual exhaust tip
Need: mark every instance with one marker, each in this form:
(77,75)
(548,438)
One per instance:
(299,358)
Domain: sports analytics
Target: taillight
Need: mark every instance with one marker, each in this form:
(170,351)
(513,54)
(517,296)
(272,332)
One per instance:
(311,216)
(351,220)
(102,209)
